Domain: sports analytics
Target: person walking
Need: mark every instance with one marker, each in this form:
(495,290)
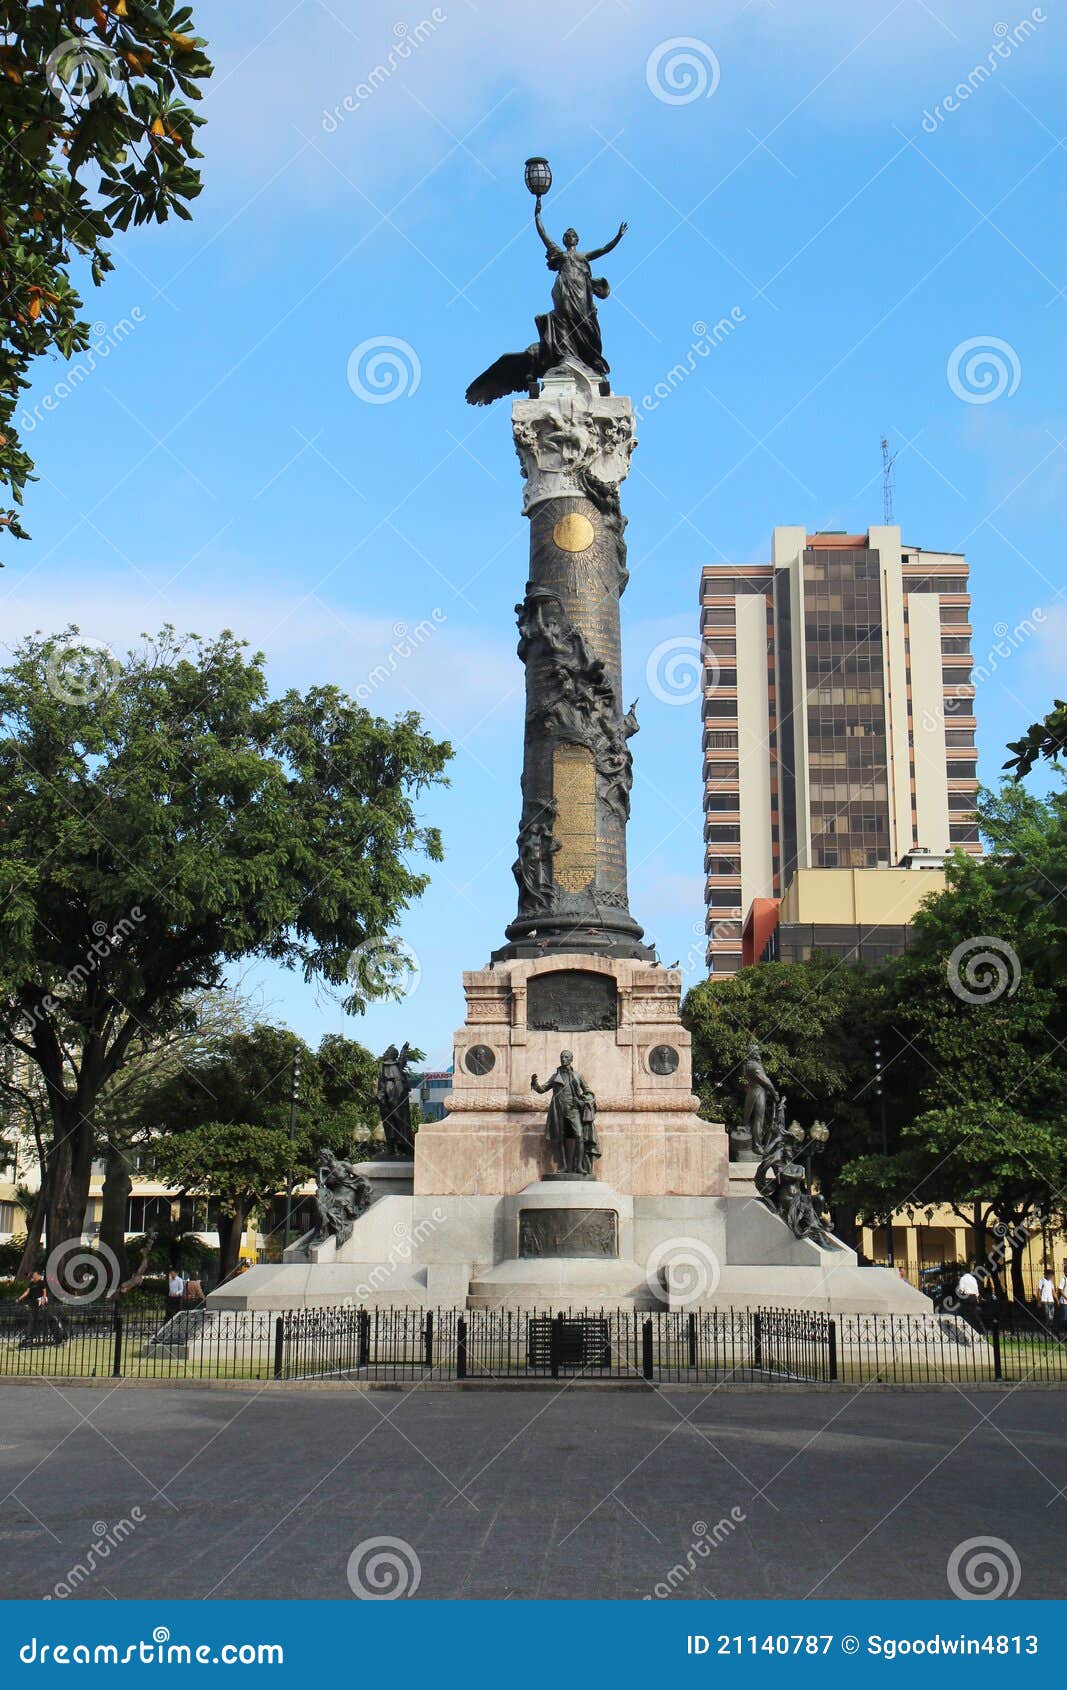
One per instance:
(175,1292)
(1060,1324)
(41,1318)
(1046,1297)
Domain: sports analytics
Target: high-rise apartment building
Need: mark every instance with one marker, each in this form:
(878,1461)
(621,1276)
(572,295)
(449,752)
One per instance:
(838,716)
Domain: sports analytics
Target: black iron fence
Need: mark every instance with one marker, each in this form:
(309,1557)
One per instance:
(402,1344)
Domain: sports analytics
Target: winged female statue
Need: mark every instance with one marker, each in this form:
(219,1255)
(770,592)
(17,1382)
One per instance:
(571,330)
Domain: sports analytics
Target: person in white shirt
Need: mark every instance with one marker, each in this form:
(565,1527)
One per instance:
(1046,1296)
(967,1292)
(1061,1302)
(175,1291)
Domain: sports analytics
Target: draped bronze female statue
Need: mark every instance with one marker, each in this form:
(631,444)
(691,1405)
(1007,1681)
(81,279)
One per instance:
(571,330)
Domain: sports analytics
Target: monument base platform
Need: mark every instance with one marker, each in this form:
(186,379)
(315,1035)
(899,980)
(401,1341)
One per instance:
(652,1252)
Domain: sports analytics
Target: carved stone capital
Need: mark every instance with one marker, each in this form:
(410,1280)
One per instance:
(570,437)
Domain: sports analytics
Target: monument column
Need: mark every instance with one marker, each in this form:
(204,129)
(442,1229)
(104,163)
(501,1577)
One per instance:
(574,442)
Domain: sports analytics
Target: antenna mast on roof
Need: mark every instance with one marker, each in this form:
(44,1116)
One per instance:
(888,460)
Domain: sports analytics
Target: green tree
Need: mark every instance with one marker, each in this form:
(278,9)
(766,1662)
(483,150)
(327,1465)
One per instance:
(977,1013)
(1046,739)
(92,89)
(815,1023)
(225,1127)
(167,822)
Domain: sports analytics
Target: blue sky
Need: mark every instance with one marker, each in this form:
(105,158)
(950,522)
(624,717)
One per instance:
(217,469)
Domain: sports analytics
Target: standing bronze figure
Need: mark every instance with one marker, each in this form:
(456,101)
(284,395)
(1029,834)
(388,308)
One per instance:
(569,332)
(571,1124)
(394,1091)
(759,1087)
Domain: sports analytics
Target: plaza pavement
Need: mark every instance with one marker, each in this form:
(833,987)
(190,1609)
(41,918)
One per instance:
(266,1493)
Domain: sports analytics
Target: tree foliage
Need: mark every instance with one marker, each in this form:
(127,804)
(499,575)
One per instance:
(815,1023)
(161,827)
(223,1121)
(95,90)
(978,1015)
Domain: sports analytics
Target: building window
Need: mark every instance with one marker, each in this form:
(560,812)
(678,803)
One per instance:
(719,616)
(721,800)
(724,865)
(722,771)
(725,898)
(953,644)
(960,738)
(725,833)
(962,801)
(960,771)
(720,740)
(959,834)
(728,963)
(720,707)
(953,614)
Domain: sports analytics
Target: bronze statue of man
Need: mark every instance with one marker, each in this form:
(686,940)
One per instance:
(570,1128)
(758,1088)
(394,1090)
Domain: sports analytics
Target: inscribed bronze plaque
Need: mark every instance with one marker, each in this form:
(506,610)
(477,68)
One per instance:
(568,1232)
(573,1000)
(574,789)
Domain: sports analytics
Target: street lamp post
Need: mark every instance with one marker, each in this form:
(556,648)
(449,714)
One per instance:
(294,1093)
(889,1257)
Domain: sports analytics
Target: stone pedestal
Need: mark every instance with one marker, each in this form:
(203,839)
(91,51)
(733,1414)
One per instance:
(389,1177)
(620,1019)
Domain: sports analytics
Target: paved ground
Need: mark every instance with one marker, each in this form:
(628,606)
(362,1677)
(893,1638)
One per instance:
(266,1493)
